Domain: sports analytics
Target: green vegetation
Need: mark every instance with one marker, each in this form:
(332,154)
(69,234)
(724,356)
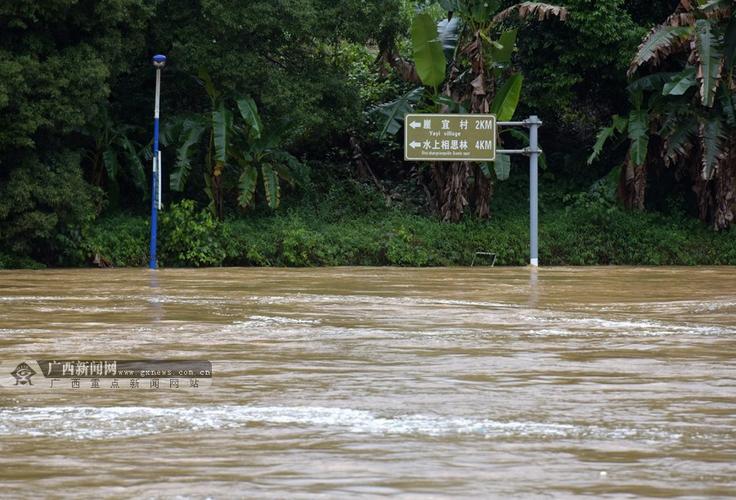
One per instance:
(469,58)
(585,229)
(683,116)
(281,124)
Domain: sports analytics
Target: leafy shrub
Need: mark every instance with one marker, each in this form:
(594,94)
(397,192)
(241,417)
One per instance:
(124,241)
(302,247)
(190,237)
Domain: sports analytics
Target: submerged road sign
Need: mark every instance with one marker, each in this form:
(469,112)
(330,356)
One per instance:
(449,137)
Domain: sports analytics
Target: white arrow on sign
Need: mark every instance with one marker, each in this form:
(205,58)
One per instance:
(415,124)
(415,144)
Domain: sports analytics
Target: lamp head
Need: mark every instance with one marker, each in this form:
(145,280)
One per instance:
(159,61)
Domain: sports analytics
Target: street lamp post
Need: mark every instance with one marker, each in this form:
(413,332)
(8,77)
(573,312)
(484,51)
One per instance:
(159,61)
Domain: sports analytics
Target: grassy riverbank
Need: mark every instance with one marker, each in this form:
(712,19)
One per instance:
(353,225)
(358,228)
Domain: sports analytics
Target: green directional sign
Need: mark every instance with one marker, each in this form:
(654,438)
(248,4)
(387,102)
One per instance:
(449,137)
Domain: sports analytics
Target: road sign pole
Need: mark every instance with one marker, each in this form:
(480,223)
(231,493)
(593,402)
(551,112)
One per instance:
(159,61)
(534,124)
(462,137)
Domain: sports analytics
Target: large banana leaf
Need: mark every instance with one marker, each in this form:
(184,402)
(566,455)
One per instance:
(653,82)
(190,131)
(711,140)
(658,44)
(619,125)
(679,142)
(507,98)
(681,82)
(208,84)
(289,168)
(222,125)
(639,135)
(249,112)
(502,166)
(428,55)
(110,160)
(271,186)
(507,42)
(135,166)
(709,47)
(247,184)
(395,111)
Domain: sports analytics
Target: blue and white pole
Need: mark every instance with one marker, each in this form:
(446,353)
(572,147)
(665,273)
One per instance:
(159,61)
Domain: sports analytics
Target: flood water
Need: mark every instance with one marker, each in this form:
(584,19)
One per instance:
(615,382)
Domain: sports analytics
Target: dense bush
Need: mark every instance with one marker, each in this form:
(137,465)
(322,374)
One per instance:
(58,60)
(45,209)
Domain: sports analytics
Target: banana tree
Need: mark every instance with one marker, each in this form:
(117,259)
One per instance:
(689,121)
(465,64)
(236,142)
(258,153)
(113,155)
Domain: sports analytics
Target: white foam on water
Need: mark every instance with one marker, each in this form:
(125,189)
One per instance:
(560,323)
(373,300)
(280,320)
(83,423)
(89,309)
(507,317)
(671,306)
(39,298)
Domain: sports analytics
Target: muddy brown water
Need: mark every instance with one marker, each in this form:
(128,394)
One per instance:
(598,382)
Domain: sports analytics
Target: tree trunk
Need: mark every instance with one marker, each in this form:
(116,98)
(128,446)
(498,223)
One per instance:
(721,192)
(633,185)
(483,193)
(451,186)
(217,195)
